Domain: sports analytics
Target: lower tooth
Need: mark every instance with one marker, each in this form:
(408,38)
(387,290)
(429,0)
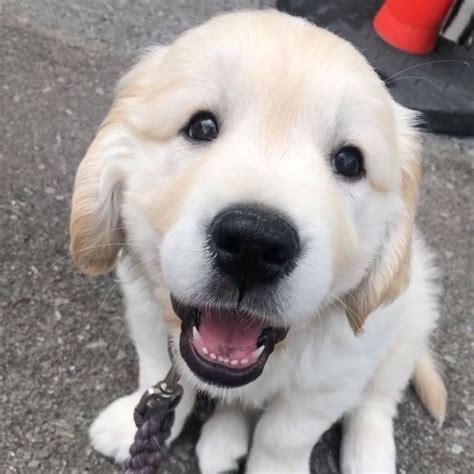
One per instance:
(220,359)
(244,361)
(196,335)
(234,362)
(257,353)
(205,351)
(212,356)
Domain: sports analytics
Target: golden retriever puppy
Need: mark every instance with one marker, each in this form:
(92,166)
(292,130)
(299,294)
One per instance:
(256,185)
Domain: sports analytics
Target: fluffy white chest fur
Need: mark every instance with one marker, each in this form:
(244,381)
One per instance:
(321,373)
(257,186)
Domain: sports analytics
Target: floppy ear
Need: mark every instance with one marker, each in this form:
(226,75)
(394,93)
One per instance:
(390,274)
(96,230)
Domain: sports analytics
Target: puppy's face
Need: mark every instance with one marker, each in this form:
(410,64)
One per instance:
(259,171)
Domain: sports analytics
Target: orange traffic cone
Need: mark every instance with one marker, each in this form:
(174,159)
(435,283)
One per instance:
(411,25)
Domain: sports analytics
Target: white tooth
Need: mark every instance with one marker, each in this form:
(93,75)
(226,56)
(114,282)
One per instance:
(226,360)
(234,362)
(244,361)
(204,350)
(256,354)
(212,356)
(220,359)
(196,335)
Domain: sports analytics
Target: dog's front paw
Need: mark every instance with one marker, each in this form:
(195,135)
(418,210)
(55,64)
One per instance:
(368,445)
(223,442)
(113,431)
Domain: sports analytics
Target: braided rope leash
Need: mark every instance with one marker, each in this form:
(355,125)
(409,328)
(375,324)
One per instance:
(154,417)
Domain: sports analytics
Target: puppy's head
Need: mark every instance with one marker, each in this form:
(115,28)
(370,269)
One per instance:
(259,170)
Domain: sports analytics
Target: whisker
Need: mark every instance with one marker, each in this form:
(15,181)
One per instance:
(108,294)
(138,293)
(94,247)
(114,349)
(354,317)
(110,231)
(427,63)
(415,77)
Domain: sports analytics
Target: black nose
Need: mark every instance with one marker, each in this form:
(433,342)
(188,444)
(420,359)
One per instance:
(253,243)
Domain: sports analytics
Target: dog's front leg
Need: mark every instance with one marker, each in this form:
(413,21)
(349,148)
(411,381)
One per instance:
(285,436)
(224,439)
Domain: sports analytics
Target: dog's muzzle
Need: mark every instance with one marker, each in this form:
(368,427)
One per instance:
(228,343)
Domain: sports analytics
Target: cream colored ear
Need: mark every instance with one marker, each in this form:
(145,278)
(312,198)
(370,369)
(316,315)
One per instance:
(391,272)
(96,230)
(95,227)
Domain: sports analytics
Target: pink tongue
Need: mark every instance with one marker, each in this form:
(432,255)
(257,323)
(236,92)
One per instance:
(229,329)
(228,338)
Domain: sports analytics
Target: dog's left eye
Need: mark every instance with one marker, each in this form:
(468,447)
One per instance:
(202,127)
(348,162)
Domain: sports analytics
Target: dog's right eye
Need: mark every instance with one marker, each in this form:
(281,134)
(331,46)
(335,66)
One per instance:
(202,127)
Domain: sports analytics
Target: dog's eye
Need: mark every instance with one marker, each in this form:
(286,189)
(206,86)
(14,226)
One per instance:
(348,162)
(202,127)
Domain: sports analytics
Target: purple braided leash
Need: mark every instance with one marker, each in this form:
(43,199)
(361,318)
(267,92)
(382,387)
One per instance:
(154,417)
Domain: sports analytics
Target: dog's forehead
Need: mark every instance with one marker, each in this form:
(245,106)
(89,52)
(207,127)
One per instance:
(268,52)
(254,62)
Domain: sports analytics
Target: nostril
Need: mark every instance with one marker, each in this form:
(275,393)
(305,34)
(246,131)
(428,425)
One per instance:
(276,254)
(228,243)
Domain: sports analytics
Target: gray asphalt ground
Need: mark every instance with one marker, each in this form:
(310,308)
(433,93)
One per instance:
(64,347)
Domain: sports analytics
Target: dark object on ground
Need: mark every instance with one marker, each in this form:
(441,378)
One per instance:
(439,84)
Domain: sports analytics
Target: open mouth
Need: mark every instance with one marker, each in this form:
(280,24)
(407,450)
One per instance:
(224,347)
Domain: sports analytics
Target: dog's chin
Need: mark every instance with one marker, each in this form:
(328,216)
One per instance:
(224,347)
